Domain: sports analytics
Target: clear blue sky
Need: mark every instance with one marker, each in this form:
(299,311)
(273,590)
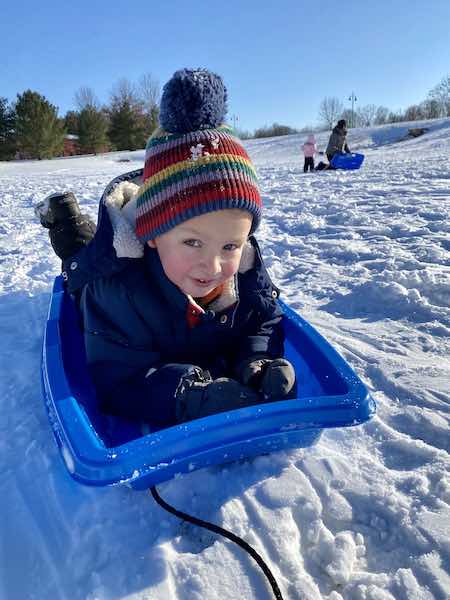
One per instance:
(279,58)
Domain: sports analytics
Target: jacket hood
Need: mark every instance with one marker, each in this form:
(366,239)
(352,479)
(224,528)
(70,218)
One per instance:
(340,130)
(121,207)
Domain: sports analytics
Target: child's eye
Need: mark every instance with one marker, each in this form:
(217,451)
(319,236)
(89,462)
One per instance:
(193,243)
(230,247)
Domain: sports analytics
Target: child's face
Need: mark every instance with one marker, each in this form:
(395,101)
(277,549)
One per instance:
(202,253)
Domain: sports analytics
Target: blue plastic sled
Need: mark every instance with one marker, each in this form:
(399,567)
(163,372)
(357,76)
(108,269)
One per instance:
(347,161)
(104,450)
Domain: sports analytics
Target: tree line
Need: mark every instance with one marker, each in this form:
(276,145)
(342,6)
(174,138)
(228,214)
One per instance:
(31,128)
(435,105)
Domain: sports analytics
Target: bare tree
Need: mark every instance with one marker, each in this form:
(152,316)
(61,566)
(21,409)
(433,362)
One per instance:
(395,117)
(330,110)
(86,98)
(365,115)
(149,91)
(431,109)
(124,91)
(381,115)
(441,93)
(414,113)
(349,116)
(360,119)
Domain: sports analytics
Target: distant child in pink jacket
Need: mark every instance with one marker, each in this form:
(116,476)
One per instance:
(309,149)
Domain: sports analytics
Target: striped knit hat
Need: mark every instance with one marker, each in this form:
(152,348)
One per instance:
(193,163)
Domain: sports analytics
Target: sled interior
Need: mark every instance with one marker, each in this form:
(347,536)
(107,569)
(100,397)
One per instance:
(347,161)
(99,449)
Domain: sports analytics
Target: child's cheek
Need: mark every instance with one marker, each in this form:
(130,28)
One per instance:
(232,266)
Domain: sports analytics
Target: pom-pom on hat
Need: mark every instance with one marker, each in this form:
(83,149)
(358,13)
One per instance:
(193,100)
(193,163)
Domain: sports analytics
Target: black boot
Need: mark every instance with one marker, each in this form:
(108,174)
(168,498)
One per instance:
(69,229)
(57,208)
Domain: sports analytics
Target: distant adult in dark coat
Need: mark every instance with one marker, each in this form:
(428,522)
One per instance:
(337,143)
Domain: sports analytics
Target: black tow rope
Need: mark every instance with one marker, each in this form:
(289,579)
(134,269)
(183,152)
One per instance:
(228,534)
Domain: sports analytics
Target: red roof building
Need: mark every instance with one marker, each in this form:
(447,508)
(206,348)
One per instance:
(71,146)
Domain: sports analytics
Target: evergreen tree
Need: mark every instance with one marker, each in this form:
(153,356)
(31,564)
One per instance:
(274,130)
(128,128)
(39,132)
(92,131)
(152,120)
(71,122)
(7,137)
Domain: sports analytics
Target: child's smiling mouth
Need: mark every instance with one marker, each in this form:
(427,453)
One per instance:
(203,282)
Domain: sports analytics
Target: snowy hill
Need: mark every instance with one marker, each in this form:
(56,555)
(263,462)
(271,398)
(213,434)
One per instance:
(362,140)
(364,514)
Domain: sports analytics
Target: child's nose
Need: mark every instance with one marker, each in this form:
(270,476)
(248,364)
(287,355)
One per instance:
(213,264)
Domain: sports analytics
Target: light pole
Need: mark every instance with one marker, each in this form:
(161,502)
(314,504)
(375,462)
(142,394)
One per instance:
(352,98)
(235,120)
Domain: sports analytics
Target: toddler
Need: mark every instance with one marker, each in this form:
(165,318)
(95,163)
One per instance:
(309,150)
(179,315)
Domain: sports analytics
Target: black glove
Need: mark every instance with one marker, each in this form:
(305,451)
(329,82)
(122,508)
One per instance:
(199,396)
(274,378)
(68,237)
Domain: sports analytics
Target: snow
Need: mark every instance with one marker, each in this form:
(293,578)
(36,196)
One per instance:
(362,515)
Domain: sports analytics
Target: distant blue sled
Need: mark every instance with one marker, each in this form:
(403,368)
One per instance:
(103,450)
(347,161)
